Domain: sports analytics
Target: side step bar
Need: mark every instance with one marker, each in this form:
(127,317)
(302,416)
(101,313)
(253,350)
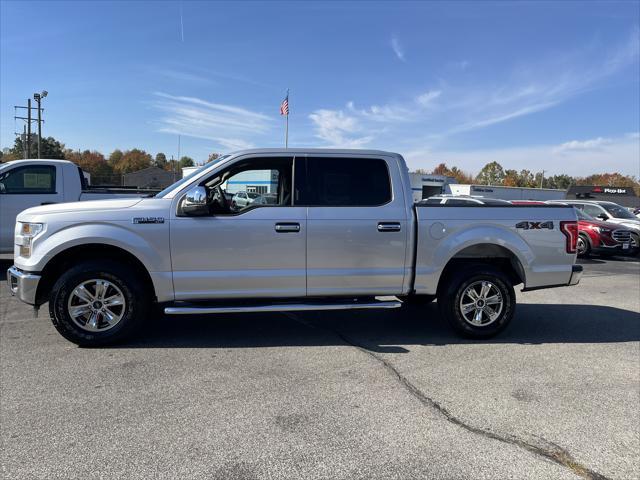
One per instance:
(284,307)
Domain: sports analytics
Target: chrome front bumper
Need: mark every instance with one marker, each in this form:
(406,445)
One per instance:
(23,285)
(576,275)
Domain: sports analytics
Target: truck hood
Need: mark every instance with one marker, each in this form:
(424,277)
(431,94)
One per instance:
(94,205)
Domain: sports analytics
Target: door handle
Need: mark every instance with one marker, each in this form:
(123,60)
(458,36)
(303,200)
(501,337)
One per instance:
(287,227)
(388,226)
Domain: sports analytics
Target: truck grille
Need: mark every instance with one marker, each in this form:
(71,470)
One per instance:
(621,236)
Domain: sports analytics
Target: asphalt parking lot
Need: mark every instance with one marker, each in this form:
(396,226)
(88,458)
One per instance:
(389,394)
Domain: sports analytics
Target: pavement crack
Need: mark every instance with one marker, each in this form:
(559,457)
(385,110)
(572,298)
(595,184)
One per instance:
(542,448)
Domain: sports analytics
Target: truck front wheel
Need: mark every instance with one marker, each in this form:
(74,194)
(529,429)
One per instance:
(478,302)
(98,303)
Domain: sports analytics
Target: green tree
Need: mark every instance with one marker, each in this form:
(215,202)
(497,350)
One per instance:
(186,162)
(562,181)
(160,160)
(491,174)
(115,157)
(49,148)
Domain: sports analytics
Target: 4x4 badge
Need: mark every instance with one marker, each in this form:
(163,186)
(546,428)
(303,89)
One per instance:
(534,225)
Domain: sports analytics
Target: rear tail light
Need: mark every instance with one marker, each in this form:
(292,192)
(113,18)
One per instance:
(570,231)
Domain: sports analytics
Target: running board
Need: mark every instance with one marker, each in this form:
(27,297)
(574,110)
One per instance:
(284,307)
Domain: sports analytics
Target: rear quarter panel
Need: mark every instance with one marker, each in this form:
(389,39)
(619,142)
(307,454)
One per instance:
(443,232)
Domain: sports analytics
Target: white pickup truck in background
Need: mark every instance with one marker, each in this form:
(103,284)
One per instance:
(30,183)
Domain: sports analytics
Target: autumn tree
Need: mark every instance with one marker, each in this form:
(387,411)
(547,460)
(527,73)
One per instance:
(455,172)
(491,174)
(131,161)
(92,162)
(213,156)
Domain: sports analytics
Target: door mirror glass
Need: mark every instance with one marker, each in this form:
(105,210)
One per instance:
(195,202)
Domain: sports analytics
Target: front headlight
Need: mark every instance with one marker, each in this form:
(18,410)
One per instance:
(28,231)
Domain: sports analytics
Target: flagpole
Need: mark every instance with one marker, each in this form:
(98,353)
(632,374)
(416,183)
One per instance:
(286,128)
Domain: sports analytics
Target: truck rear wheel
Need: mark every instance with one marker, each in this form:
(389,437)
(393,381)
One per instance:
(478,302)
(98,303)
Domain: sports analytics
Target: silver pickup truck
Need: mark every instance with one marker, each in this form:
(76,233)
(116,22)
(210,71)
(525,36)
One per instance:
(341,233)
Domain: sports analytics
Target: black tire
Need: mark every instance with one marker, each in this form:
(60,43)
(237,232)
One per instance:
(455,286)
(133,313)
(583,243)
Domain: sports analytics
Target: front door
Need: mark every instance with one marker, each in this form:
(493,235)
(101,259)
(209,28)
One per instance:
(253,250)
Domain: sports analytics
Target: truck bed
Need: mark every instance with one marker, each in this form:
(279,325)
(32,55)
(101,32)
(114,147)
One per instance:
(527,236)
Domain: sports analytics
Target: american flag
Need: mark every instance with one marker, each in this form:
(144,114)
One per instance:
(284,106)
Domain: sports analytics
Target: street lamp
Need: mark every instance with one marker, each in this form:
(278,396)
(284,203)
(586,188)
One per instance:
(38,98)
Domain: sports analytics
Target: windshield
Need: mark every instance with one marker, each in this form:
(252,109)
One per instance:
(252,195)
(187,178)
(617,211)
(583,216)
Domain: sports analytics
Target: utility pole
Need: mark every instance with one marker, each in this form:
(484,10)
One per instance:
(26,131)
(38,98)
(28,128)
(24,143)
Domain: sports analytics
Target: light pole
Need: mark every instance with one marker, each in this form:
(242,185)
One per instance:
(38,98)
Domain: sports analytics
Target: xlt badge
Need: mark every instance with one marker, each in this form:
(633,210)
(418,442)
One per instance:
(148,220)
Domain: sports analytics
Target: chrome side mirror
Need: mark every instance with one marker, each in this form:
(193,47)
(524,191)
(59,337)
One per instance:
(195,202)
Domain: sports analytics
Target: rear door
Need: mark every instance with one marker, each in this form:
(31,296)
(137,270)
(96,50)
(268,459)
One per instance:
(22,187)
(357,230)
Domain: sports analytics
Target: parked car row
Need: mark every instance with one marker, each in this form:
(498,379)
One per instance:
(242,199)
(605,228)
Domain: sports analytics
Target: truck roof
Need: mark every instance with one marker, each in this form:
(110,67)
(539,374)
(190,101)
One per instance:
(332,151)
(30,160)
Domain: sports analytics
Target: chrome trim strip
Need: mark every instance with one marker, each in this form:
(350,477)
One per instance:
(292,307)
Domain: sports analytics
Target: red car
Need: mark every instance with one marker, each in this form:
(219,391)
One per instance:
(595,236)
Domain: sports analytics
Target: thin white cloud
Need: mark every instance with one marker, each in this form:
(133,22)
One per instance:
(427,98)
(229,126)
(583,145)
(397,48)
(338,129)
(181,75)
(617,154)
(450,109)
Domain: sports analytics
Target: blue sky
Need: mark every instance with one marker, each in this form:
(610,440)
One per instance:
(546,85)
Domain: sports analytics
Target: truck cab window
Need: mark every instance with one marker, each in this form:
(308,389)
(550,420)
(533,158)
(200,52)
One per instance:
(29,179)
(356,182)
(259,182)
